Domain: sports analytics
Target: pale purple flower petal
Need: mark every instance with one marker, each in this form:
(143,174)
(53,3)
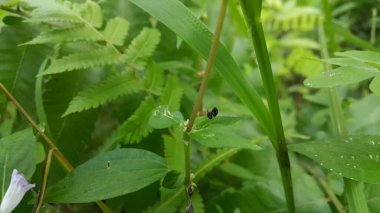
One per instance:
(16,191)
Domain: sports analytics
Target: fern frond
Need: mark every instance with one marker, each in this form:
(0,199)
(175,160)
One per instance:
(52,11)
(172,94)
(66,35)
(116,31)
(93,14)
(76,61)
(142,47)
(103,92)
(291,17)
(154,78)
(173,150)
(136,127)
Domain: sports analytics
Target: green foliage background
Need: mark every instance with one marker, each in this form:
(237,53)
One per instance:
(113,83)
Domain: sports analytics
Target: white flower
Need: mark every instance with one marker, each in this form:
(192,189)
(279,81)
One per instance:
(16,191)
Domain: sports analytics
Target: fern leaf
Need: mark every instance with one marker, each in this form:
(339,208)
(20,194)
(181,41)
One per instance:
(66,35)
(154,78)
(172,94)
(76,61)
(142,47)
(136,127)
(103,92)
(52,11)
(93,14)
(116,31)
(174,153)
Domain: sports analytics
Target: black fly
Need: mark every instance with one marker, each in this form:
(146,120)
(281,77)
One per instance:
(212,113)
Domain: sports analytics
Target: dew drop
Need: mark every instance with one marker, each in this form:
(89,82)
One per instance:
(321,164)
(340,173)
(331,169)
(315,155)
(353,157)
(372,142)
(341,156)
(354,167)
(370,156)
(347,164)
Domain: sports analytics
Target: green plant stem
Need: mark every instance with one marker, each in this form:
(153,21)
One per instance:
(373,26)
(57,154)
(210,62)
(202,89)
(14,11)
(353,189)
(63,161)
(326,187)
(41,194)
(251,11)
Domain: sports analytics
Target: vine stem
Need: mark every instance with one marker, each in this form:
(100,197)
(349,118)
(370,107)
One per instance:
(57,153)
(202,88)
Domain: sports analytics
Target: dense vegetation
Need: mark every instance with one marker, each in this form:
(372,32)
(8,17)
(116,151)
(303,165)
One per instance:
(192,105)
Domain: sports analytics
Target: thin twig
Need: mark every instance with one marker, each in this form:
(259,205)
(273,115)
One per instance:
(199,99)
(64,162)
(14,11)
(44,179)
(326,188)
(58,154)
(210,62)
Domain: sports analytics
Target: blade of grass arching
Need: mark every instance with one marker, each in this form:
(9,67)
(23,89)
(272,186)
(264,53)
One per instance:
(251,9)
(180,19)
(353,189)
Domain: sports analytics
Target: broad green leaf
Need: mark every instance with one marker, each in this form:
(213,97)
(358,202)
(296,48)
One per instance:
(93,14)
(142,47)
(103,92)
(340,76)
(180,19)
(110,175)
(173,180)
(363,56)
(71,132)
(203,122)
(17,151)
(20,64)
(116,31)
(356,157)
(76,61)
(162,117)
(219,136)
(349,63)
(375,86)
